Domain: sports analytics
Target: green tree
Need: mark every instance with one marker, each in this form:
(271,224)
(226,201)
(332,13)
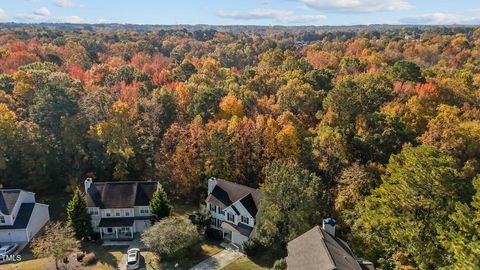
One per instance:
(78,217)
(417,194)
(201,218)
(171,237)
(293,202)
(57,241)
(406,71)
(206,103)
(159,205)
(461,235)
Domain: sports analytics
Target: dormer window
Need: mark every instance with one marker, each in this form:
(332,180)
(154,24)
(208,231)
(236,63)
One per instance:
(2,219)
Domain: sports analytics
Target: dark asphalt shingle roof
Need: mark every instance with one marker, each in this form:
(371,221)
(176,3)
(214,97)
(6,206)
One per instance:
(318,250)
(116,222)
(226,193)
(23,217)
(120,194)
(8,199)
(240,228)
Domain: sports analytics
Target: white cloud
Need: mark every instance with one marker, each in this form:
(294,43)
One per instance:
(44,15)
(357,6)
(280,16)
(441,18)
(3,16)
(42,12)
(65,3)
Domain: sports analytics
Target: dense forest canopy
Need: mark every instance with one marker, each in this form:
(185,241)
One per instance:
(381,125)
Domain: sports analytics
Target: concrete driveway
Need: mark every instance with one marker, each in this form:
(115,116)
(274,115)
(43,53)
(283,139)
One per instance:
(219,260)
(135,243)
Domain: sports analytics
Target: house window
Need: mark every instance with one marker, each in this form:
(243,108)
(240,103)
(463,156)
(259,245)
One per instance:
(2,219)
(213,207)
(231,217)
(127,213)
(107,213)
(213,222)
(220,210)
(144,211)
(93,212)
(117,213)
(245,220)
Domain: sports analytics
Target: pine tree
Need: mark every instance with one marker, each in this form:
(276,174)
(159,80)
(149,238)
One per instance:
(159,205)
(78,217)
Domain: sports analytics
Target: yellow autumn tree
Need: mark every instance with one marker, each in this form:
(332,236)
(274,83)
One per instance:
(231,106)
(118,133)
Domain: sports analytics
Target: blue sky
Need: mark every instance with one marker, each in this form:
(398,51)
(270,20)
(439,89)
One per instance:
(256,12)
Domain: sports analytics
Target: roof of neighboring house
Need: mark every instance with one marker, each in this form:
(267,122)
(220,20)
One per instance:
(116,222)
(8,198)
(240,228)
(226,193)
(120,194)
(318,250)
(23,217)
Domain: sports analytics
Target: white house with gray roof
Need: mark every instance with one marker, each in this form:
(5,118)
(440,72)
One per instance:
(21,217)
(118,210)
(233,208)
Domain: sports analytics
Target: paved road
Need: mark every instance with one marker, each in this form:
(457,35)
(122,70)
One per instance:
(219,260)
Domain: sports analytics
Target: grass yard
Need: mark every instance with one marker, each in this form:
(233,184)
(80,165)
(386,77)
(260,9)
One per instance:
(181,208)
(206,250)
(107,259)
(244,263)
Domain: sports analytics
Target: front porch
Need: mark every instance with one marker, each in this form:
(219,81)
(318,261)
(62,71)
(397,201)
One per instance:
(116,228)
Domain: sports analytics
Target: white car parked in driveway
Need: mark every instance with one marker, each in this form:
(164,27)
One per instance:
(133,258)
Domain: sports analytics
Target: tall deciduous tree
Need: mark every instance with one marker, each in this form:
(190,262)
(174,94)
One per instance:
(57,241)
(460,236)
(293,202)
(119,134)
(407,208)
(159,205)
(78,217)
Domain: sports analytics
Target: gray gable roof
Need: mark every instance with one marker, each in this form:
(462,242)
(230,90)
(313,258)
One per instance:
(8,199)
(318,250)
(24,215)
(225,193)
(120,194)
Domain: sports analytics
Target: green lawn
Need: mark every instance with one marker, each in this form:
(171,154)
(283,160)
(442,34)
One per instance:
(206,250)
(244,263)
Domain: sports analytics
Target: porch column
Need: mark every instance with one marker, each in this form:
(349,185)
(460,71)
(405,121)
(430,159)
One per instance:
(116,233)
(131,232)
(101,235)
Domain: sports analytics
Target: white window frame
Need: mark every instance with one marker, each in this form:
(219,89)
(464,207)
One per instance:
(231,215)
(245,219)
(108,213)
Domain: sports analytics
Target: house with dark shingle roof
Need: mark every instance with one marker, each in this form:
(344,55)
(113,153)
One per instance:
(21,217)
(118,210)
(234,209)
(320,249)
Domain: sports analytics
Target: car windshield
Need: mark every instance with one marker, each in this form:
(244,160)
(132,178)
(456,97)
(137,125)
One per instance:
(4,249)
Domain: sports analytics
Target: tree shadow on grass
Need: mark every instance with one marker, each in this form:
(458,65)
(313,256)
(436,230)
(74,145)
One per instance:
(105,255)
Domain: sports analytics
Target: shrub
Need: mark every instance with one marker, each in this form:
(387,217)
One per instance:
(280,264)
(171,237)
(251,247)
(214,234)
(89,259)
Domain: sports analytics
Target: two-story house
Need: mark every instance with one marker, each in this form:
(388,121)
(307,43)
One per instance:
(21,217)
(233,208)
(119,209)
